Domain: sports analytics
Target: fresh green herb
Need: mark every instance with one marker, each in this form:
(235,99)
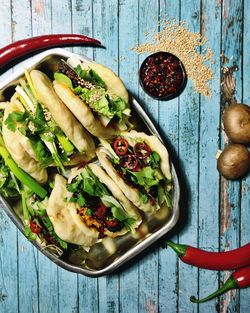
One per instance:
(128,222)
(14,117)
(96,79)
(118,213)
(40,151)
(81,200)
(168,199)
(90,76)
(75,186)
(88,212)
(39,115)
(144,198)
(92,185)
(8,185)
(147,177)
(71,199)
(118,105)
(154,159)
(23,177)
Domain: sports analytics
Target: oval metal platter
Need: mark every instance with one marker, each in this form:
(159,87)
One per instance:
(105,257)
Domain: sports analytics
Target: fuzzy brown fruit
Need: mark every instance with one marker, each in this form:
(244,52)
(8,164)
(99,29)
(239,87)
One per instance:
(236,121)
(234,161)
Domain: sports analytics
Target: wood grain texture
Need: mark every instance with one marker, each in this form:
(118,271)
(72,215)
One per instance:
(189,127)
(167,121)
(214,213)
(208,145)
(128,63)
(232,19)
(148,266)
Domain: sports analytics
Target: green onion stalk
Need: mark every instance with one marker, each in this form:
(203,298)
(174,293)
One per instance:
(22,176)
(29,100)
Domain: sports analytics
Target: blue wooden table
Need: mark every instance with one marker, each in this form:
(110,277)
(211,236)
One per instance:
(215,213)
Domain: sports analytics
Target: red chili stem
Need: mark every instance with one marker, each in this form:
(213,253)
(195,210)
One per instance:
(20,48)
(239,279)
(228,260)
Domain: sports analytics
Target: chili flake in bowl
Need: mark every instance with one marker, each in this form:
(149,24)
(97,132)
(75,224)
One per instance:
(162,75)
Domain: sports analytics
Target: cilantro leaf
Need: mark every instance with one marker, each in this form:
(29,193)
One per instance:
(81,200)
(147,177)
(155,159)
(90,76)
(118,213)
(8,186)
(14,118)
(144,198)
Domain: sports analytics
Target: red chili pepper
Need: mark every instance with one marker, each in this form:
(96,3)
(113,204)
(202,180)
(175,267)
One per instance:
(239,279)
(131,162)
(36,229)
(142,150)
(121,146)
(22,47)
(213,260)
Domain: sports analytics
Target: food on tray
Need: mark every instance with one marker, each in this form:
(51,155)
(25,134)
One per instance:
(80,140)
(236,121)
(39,131)
(234,161)
(46,152)
(38,226)
(95,95)
(139,164)
(19,146)
(89,207)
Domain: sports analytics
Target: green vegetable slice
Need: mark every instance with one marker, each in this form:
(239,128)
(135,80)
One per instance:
(22,176)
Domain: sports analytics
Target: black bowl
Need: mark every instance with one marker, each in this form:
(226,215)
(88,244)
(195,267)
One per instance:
(155,67)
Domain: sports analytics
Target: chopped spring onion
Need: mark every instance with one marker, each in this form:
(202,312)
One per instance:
(22,176)
(22,93)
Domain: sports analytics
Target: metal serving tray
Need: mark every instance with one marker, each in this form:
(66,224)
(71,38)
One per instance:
(105,257)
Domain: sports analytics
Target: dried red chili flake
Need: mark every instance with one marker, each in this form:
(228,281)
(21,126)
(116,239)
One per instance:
(162,75)
(101,211)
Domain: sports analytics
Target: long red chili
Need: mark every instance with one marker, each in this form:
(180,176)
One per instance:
(228,260)
(22,47)
(239,279)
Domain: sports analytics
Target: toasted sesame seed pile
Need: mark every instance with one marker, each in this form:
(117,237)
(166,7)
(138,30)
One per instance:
(178,40)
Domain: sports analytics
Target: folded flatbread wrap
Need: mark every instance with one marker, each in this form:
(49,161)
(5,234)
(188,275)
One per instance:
(139,165)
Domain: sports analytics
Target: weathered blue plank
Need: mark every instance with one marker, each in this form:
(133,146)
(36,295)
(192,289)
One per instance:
(209,136)
(230,206)
(105,27)
(8,232)
(168,124)
(128,68)
(189,155)
(82,16)
(245,189)
(148,266)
